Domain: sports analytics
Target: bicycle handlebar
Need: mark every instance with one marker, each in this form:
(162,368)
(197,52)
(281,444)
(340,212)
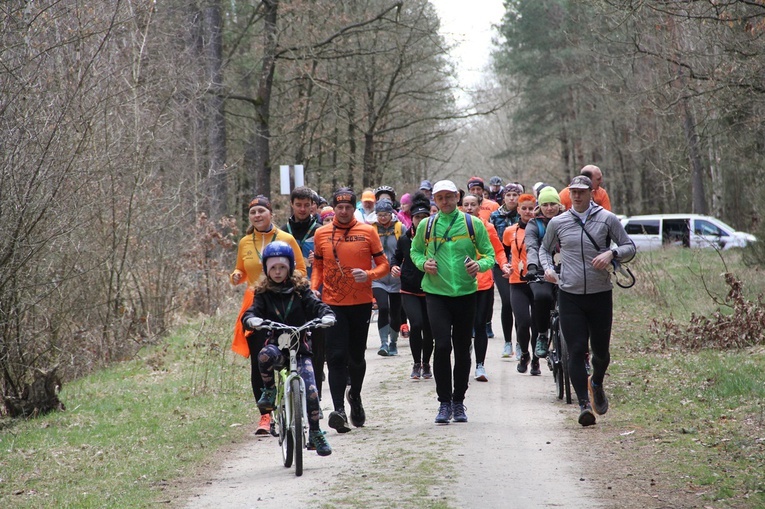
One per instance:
(311,324)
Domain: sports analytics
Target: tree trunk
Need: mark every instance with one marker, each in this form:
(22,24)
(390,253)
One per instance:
(261,141)
(699,204)
(216,124)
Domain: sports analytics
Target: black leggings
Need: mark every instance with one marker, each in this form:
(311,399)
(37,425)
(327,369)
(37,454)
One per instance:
(388,309)
(543,303)
(255,341)
(420,336)
(584,317)
(503,287)
(451,319)
(525,329)
(483,305)
(345,344)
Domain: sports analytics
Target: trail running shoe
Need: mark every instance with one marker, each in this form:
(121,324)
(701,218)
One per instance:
(358,416)
(416,371)
(427,374)
(264,426)
(586,417)
(535,371)
(489,332)
(523,363)
(507,351)
(267,399)
(404,330)
(598,397)
(518,351)
(480,373)
(339,421)
(541,348)
(392,349)
(444,413)
(317,441)
(459,412)
(383,351)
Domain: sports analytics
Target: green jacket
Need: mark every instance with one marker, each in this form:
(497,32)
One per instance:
(452,279)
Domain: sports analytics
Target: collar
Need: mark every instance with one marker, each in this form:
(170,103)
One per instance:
(341,226)
(267,232)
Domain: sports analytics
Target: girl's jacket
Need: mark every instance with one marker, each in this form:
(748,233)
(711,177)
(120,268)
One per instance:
(291,306)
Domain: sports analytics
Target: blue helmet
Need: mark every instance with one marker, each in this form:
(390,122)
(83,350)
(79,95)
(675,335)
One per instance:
(279,249)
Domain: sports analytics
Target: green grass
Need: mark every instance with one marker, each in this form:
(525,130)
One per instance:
(129,429)
(699,416)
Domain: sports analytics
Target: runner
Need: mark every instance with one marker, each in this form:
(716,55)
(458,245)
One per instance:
(386,290)
(344,253)
(451,249)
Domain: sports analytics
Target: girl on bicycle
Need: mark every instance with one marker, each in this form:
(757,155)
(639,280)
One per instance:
(284,295)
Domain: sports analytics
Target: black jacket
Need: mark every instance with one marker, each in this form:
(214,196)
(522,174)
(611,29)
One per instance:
(411,276)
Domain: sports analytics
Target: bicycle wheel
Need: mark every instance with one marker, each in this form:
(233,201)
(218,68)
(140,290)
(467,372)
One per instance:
(564,365)
(285,438)
(556,355)
(297,424)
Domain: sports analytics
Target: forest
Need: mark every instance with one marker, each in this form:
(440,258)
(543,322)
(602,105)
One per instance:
(133,133)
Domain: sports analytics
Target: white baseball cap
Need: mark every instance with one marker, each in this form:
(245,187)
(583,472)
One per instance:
(445,185)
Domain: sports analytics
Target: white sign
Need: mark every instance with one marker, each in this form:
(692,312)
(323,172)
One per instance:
(285,174)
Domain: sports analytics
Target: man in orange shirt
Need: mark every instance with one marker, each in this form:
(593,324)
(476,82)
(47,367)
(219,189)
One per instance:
(599,195)
(348,255)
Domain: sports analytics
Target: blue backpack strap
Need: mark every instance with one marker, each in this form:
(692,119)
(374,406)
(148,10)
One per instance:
(429,230)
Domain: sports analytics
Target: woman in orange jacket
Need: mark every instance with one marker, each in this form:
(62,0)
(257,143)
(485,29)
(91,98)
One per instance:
(249,269)
(471,204)
(521,297)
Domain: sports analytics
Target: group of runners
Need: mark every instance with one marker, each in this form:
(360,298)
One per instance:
(428,262)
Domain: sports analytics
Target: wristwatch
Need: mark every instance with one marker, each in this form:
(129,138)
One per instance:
(615,253)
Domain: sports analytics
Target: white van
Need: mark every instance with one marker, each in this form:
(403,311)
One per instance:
(688,230)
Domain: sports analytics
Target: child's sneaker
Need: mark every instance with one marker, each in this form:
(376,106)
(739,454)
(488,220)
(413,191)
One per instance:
(317,441)
(267,399)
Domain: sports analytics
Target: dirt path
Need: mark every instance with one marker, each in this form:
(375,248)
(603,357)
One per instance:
(518,449)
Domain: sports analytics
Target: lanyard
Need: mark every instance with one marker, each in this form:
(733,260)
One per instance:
(260,256)
(305,237)
(445,237)
(334,246)
(286,309)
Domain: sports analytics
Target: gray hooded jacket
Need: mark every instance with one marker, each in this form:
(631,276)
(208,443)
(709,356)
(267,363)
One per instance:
(577,275)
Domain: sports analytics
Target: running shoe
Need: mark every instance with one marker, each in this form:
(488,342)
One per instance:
(523,363)
(404,330)
(339,421)
(392,349)
(598,397)
(416,371)
(318,442)
(427,374)
(518,351)
(586,417)
(541,349)
(535,371)
(489,331)
(459,412)
(444,413)
(383,351)
(267,399)
(480,373)
(264,426)
(358,416)
(507,351)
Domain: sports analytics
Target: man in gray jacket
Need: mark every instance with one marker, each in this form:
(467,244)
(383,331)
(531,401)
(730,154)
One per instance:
(585,233)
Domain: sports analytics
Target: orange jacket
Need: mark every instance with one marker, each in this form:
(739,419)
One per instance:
(338,249)
(487,207)
(486,279)
(515,239)
(599,196)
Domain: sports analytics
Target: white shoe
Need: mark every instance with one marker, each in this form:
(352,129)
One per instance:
(507,352)
(480,373)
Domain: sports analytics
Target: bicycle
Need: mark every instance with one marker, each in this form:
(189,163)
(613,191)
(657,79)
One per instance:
(290,412)
(557,350)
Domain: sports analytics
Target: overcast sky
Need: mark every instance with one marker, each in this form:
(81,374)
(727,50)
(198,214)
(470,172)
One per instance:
(468,24)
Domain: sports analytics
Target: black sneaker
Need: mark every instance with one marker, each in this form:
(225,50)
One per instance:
(535,371)
(586,417)
(358,416)
(338,421)
(598,397)
(267,400)
(444,413)
(318,442)
(458,410)
(523,363)
(427,374)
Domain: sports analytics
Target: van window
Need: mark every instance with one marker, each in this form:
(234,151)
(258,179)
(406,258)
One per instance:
(701,227)
(677,231)
(642,227)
